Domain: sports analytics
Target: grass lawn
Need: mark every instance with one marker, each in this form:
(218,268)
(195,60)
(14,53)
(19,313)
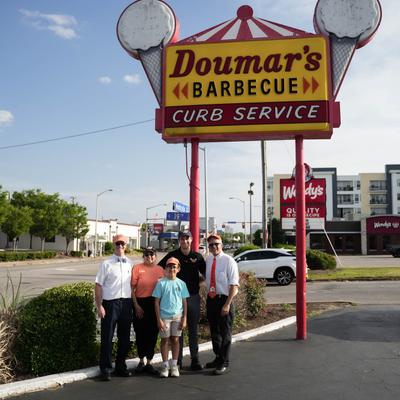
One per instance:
(356,274)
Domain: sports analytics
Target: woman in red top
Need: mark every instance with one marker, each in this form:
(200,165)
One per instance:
(144,279)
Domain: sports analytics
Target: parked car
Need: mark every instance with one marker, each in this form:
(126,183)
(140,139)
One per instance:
(393,249)
(272,264)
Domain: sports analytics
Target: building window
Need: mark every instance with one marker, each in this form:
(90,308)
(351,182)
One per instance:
(345,186)
(345,199)
(378,199)
(377,185)
(356,198)
(378,211)
(372,243)
(398,196)
(358,185)
(398,183)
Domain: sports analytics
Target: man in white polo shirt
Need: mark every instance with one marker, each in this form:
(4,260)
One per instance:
(222,278)
(114,307)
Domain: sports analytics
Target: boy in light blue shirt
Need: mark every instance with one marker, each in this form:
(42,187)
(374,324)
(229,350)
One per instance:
(170,304)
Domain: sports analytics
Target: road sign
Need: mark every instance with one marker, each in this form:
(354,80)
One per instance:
(180,207)
(268,88)
(177,216)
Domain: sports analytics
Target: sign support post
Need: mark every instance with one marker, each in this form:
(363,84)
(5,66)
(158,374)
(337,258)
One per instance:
(194,194)
(301,264)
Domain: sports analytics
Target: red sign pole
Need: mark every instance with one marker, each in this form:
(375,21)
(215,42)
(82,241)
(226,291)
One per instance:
(301,264)
(195,195)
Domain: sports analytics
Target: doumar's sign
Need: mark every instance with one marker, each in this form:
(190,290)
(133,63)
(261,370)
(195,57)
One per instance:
(243,90)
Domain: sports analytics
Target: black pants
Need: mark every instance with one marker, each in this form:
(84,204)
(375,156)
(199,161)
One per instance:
(146,329)
(118,313)
(220,328)
(193,316)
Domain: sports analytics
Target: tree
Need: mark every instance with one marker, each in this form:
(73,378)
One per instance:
(3,205)
(257,240)
(47,216)
(18,222)
(74,225)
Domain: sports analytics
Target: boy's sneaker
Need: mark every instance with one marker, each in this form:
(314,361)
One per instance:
(175,371)
(164,372)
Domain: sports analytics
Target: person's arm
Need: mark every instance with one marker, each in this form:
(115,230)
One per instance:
(160,322)
(184,315)
(233,290)
(138,309)
(98,295)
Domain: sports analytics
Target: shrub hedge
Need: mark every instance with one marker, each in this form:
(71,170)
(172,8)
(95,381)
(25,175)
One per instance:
(58,330)
(26,255)
(319,260)
(244,248)
(75,253)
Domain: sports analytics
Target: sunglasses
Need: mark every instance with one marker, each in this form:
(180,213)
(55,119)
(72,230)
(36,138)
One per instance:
(149,254)
(172,266)
(120,243)
(213,244)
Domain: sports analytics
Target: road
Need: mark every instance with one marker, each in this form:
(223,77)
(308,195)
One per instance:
(38,277)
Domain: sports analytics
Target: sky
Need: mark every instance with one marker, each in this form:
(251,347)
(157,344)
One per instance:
(63,73)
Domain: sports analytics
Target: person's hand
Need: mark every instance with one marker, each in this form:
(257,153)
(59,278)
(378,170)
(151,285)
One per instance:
(101,312)
(139,311)
(183,323)
(225,310)
(161,325)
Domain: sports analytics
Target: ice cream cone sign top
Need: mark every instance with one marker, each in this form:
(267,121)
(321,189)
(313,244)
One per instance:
(143,29)
(349,24)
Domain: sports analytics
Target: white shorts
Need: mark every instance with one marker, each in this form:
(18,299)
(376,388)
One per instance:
(171,327)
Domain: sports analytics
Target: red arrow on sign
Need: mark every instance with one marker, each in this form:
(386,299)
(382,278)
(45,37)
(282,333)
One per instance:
(177,90)
(306,85)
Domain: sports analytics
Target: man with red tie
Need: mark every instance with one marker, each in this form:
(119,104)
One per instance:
(222,279)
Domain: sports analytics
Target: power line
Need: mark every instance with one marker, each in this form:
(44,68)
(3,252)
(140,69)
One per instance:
(13,146)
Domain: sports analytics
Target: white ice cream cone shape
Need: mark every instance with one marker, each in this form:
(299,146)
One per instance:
(350,24)
(143,29)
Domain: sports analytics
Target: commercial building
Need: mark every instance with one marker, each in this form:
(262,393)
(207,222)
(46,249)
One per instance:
(354,214)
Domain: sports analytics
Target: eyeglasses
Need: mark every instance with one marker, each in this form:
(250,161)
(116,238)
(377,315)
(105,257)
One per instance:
(213,244)
(149,254)
(120,243)
(172,266)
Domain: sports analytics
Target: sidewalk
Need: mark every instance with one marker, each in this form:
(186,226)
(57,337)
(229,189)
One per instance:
(350,354)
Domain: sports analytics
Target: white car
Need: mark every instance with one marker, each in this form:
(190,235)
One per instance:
(272,264)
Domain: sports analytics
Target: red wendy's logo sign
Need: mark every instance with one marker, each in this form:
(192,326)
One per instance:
(315,191)
(315,203)
(383,224)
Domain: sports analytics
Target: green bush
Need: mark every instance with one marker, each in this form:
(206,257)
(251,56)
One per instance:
(249,301)
(319,260)
(244,248)
(74,253)
(58,330)
(26,255)
(108,248)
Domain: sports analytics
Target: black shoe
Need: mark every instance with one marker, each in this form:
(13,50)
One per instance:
(195,365)
(221,370)
(212,364)
(139,368)
(123,373)
(105,376)
(149,369)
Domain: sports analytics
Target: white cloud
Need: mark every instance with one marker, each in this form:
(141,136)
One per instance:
(61,25)
(105,80)
(6,118)
(133,79)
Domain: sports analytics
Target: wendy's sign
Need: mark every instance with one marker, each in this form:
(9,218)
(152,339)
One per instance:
(315,191)
(242,90)
(385,224)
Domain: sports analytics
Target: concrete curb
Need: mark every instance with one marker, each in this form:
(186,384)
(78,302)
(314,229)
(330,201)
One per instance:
(56,380)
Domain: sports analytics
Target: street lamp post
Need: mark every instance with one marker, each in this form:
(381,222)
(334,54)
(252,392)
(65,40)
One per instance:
(97,217)
(250,193)
(147,219)
(244,216)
